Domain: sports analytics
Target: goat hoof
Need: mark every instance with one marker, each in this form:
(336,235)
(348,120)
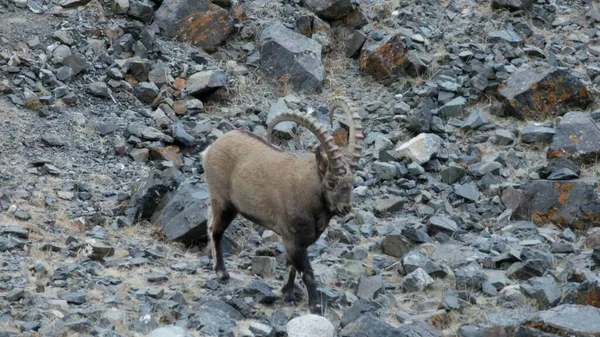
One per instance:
(222,275)
(289,297)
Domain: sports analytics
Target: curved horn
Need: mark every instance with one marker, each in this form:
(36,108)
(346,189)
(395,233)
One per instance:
(356,137)
(333,151)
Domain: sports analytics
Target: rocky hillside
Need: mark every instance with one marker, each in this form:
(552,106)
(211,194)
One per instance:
(476,203)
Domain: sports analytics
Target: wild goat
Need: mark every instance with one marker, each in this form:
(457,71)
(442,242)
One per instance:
(295,196)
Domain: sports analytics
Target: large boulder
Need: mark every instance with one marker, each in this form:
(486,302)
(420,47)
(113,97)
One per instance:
(571,203)
(567,320)
(577,138)
(541,94)
(183,214)
(290,56)
(200,23)
(172,15)
(329,9)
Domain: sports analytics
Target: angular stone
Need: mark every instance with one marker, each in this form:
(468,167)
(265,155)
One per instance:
(509,36)
(355,43)
(141,11)
(369,287)
(396,245)
(146,92)
(512,4)
(421,148)
(577,138)
(536,133)
(567,320)
(329,9)
(183,214)
(207,29)
(206,82)
(544,289)
(541,94)
(264,265)
(172,15)
(571,204)
(442,223)
(290,57)
(470,276)
(369,325)
(416,281)
(384,59)
(587,293)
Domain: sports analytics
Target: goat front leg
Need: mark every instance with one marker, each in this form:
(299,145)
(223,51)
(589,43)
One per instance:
(288,284)
(299,259)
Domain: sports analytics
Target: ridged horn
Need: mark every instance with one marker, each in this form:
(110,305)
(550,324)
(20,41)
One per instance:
(333,152)
(356,137)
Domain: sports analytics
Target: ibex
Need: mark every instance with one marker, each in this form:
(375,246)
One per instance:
(294,196)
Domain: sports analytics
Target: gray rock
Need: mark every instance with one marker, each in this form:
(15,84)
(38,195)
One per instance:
(310,326)
(416,281)
(568,319)
(453,174)
(368,325)
(475,120)
(384,171)
(577,138)
(369,287)
(264,265)
(99,89)
(468,191)
(169,331)
(146,92)
(533,133)
(522,91)
(183,215)
(442,223)
(544,289)
(505,36)
(206,82)
(421,148)
(396,245)
(454,108)
(415,260)
(329,9)
(504,137)
(172,14)
(512,4)
(355,43)
(141,11)
(470,276)
(260,330)
(285,53)
(389,204)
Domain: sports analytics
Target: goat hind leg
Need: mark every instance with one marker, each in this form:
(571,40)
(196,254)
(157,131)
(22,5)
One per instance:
(220,218)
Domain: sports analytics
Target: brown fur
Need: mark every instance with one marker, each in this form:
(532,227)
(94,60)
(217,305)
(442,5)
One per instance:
(294,195)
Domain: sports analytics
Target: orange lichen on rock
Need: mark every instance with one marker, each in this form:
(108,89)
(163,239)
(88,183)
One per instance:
(384,60)
(207,29)
(564,189)
(170,153)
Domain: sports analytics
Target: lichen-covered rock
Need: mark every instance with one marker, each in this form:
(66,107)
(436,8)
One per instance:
(287,56)
(577,138)
(384,59)
(310,326)
(205,82)
(541,94)
(572,203)
(329,9)
(567,320)
(172,15)
(207,29)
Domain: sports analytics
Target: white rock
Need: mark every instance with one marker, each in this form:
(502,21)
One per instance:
(421,148)
(169,331)
(310,326)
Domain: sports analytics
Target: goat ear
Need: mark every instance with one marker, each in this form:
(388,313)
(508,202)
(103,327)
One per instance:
(322,162)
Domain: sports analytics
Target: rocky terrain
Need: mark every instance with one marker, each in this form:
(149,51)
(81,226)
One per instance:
(476,204)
